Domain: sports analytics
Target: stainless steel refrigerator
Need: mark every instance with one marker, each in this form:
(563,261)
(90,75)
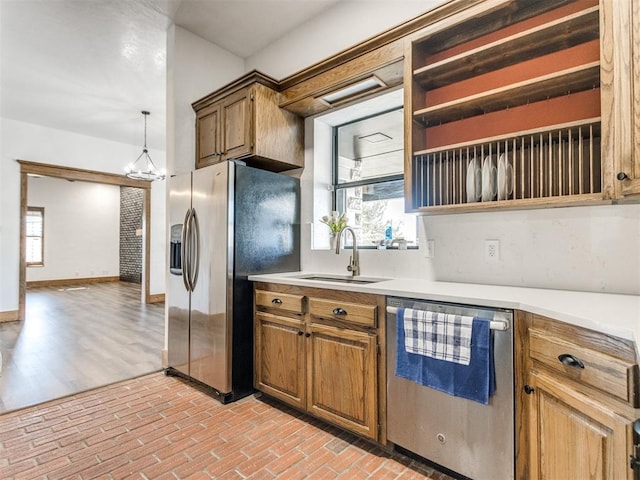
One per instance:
(227,221)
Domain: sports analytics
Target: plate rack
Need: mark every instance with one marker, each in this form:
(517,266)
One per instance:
(557,162)
(518,87)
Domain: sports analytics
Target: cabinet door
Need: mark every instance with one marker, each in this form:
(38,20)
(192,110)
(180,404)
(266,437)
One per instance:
(574,436)
(631,185)
(342,378)
(280,358)
(209,149)
(237,124)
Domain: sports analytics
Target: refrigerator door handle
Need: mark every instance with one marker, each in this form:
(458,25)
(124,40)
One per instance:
(195,233)
(185,250)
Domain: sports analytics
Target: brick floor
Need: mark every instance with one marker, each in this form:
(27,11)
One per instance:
(157,427)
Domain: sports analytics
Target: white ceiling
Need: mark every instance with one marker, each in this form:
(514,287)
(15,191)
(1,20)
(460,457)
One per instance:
(91,66)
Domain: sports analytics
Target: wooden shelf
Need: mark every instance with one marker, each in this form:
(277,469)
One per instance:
(552,85)
(520,204)
(556,35)
(515,117)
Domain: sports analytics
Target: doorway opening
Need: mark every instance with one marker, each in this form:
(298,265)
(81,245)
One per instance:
(73,174)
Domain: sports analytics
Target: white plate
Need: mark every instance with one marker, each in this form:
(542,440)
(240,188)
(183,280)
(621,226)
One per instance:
(505,178)
(488,180)
(474,181)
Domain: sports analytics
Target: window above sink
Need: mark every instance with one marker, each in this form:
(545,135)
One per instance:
(365,171)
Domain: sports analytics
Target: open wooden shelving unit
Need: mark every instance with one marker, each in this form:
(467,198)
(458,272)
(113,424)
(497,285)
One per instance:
(520,96)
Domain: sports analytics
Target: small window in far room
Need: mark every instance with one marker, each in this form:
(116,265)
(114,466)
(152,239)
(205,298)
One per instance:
(368,181)
(35,237)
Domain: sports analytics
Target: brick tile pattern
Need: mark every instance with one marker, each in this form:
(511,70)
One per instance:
(157,427)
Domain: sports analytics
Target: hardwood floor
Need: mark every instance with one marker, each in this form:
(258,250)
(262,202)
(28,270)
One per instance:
(76,338)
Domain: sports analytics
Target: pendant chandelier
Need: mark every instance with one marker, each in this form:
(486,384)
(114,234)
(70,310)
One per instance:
(144,168)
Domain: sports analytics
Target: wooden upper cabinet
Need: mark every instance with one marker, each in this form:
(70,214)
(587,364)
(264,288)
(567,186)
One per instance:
(520,105)
(244,121)
(237,125)
(208,145)
(628,173)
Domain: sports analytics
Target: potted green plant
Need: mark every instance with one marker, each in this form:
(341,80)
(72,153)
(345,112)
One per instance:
(336,222)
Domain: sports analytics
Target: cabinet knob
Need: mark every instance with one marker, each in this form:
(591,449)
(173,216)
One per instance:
(339,311)
(622,176)
(276,301)
(307,335)
(570,361)
(528,389)
(300,332)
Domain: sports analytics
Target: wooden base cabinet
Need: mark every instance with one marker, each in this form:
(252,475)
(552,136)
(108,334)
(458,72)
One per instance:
(342,381)
(280,350)
(580,399)
(321,352)
(573,436)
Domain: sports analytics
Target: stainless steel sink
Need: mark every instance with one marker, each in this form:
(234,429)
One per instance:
(340,278)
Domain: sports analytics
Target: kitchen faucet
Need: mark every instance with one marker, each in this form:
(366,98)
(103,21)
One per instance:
(354,260)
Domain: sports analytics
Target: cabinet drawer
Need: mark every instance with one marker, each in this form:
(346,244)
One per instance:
(280,301)
(339,310)
(612,375)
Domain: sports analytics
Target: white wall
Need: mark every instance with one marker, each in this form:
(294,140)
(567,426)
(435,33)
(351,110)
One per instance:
(35,143)
(346,24)
(195,68)
(580,248)
(81,228)
(585,248)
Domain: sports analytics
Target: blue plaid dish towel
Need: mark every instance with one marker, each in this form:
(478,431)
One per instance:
(441,336)
(475,381)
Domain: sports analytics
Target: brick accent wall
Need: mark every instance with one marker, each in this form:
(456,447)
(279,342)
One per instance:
(131,208)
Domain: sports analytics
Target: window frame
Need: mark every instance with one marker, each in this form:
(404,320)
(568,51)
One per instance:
(41,237)
(336,186)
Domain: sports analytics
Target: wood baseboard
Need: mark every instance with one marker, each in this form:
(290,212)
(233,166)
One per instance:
(71,281)
(156,298)
(9,316)
(165,361)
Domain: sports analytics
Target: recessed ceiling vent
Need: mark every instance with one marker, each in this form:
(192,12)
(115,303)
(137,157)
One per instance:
(375,137)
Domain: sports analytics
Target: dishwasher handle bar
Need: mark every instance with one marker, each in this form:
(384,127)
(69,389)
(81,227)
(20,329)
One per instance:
(494,325)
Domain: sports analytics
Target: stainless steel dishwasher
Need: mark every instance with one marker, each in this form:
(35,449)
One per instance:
(467,437)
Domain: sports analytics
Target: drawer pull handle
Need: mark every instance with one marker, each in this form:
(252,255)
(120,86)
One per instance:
(570,360)
(339,311)
(276,301)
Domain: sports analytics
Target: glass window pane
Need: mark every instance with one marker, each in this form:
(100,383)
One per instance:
(34,223)
(371,148)
(34,232)
(34,250)
(370,208)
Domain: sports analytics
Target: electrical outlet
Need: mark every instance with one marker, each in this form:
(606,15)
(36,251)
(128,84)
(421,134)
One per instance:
(492,251)
(431,249)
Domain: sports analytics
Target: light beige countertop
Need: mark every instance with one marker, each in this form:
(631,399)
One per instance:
(612,314)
